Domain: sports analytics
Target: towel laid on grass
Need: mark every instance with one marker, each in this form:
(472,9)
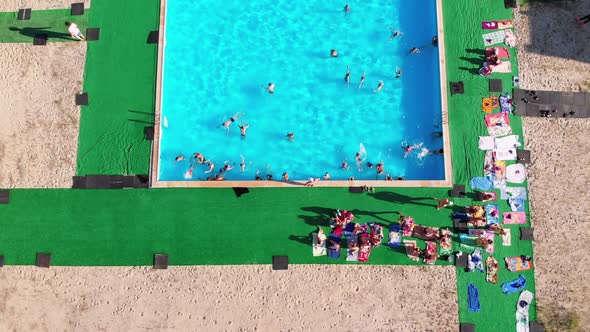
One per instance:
(409,245)
(491,38)
(511,218)
(486,143)
(507,237)
(516,204)
(515,285)
(505,103)
(492,214)
(513,192)
(503,67)
(502,52)
(481,183)
(506,142)
(498,124)
(507,154)
(473,298)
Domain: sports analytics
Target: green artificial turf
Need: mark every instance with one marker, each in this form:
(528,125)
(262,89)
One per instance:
(50,22)
(213,226)
(120,82)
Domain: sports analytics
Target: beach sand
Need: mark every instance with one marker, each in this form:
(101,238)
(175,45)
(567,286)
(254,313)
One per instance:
(14,5)
(229,298)
(559,173)
(39,127)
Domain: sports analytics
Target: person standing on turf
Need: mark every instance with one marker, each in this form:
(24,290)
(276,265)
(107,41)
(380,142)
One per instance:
(75,31)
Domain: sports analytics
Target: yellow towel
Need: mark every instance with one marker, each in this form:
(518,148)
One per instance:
(486,105)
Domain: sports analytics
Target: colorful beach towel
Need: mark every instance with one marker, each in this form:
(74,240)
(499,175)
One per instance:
(486,143)
(446,242)
(395,235)
(410,245)
(489,25)
(498,124)
(507,142)
(501,52)
(511,218)
(514,286)
(408,226)
(506,103)
(507,154)
(518,263)
(475,261)
(491,38)
(364,253)
(334,240)
(481,183)
(473,298)
(507,237)
(492,270)
(522,311)
(486,105)
(492,214)
(513,192)
(352,255)
(516,204)
(431,252)
(318,250)
(505,24)
(495,102)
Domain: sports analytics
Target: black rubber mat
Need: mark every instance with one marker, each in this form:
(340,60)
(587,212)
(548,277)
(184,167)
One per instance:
(24,14)
(239,191)
(4,196)
(77,8)
(40,39)
(466,327)
(148,133)
(523,156)
(355,190)
(43,260)
(457,88)
(495,85)
(82,99)
(280,262)
(92,34)
(527,234)
(153,37)
(1,261)
(160,261)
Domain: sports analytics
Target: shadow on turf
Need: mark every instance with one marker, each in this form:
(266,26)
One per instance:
(31,32)
(394,197)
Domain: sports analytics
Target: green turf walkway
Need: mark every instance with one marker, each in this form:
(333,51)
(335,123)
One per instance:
(463,42)
(50,22)
(120,82)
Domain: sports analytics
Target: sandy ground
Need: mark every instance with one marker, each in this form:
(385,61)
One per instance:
(39,127)
(14,5)
(229,298)
(560,148)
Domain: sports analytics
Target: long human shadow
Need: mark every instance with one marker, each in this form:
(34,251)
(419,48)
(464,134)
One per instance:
(372,214)
(394,197)
(31,32)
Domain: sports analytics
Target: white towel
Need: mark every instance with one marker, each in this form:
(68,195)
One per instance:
(500,130)
(507,238)
(486,142)
(506,142)
(508,154)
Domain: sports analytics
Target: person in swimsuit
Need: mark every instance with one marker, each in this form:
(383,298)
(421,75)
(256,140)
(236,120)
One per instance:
(347,76)
(257,177)
(211,166)
(333,53)
(228,123)
(327,176)
(346,9)
(379,87)
(409,148)
(380,168)
(179,158)
(286,177)
(435,41)
(199,157)
(362,79)
(344,165)
(414,50)
(290,136)
(243,164)
(243,127)
(398,72)
(394,33)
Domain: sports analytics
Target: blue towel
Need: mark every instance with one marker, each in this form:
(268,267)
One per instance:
(333,253)
(489,218)
(395,228)
(516,205)
(473,298)
(514,286)
(505,104)
(481,183)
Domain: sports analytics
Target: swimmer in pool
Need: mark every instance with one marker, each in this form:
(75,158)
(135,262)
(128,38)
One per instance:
(380,168)
(257,177)
(228,123)
(379,87)
(409,148)
(346,9)
(286,177)
(345,165)
(211,166)
(226,168)
(199,157)
(394,33)
(189,173)
(423,153)
(333,53)
(414,50)
(243,127)
(243,164)
(347,76)
(398,72)
(179,158)
(290,136)
(362,79)
(270,88)
(327,176)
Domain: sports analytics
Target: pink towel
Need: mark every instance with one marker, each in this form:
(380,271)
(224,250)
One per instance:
(514,218)
(489,25)
(502,52)
(498,119)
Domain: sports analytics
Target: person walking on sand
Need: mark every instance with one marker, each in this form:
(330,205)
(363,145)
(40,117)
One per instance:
(347,77)
(443,203)
(583,20)
(75,31)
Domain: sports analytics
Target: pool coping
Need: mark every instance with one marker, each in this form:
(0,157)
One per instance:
(155,153)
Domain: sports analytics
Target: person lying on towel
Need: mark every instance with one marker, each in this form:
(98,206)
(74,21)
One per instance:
(334,245)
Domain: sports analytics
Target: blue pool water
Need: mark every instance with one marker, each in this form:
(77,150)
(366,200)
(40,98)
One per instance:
(219,56)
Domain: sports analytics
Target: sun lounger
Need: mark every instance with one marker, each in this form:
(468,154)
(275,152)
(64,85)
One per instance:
(514,286)
(395,235)
(491,270)
(352,255)
(518,263)
(473,298)
(318,250)
(431,250)
(511,218)
(335,254)
(421,232)
(522,311)
(410,244)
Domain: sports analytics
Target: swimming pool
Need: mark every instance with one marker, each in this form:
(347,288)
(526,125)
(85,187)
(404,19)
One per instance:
(219,58)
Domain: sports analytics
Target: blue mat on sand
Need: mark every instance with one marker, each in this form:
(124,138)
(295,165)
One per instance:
(481,183)
(514,286)
(473,298)
(331,252)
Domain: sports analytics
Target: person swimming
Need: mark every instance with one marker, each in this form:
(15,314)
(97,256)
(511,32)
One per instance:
(394,33)
(243,125)
(327,176)
(414,50)
(409,148)
(344,165)
(379,87)
(362,79)
(211,166)
(290,136)
(398,72)
(199,157)
(257,177)
(380,169)
(435,41)
(346,9)
(270,88)
(226,167)
(178,158)
(423,153)
(333,53)
(347,76)
(286,177)
(243,164)
(189,173)
(228,123)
